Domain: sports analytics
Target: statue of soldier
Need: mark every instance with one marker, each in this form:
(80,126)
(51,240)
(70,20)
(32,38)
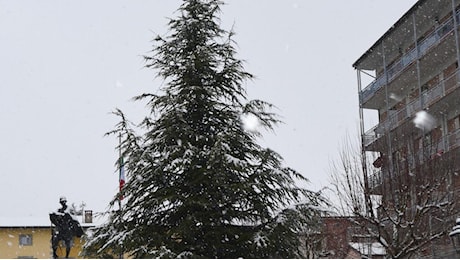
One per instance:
(66,228)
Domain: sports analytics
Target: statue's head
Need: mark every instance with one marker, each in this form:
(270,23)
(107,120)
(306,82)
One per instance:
(62,200)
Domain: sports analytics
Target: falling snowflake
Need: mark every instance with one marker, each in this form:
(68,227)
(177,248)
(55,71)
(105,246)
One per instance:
(424,121)
(395,97)
(250,122)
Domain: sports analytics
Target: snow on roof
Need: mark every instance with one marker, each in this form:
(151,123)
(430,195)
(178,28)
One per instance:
(30,221)
(456,228)
(363,248)
(454,232)
(42,221)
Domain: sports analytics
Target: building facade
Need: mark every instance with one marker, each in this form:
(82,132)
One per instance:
(409,80)
(31,238)
(341,237)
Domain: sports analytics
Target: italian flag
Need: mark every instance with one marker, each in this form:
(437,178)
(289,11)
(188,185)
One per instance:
(122,178)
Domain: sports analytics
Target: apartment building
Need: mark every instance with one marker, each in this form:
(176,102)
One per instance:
(409,82)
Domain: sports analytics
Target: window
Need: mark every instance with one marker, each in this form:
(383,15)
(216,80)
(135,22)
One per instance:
(453,124)
(25,240)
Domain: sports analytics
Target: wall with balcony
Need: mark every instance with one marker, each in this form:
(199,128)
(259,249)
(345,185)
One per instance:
(397,118)
(397,67)
(375,182)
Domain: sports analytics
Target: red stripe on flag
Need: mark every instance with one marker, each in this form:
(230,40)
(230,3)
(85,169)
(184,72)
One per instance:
(122,179)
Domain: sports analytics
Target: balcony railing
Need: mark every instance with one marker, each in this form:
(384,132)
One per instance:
(397,118)
(446,143)
(397,67)
(375,179)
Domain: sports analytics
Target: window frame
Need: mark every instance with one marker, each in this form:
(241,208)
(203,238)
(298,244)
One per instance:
(26,240)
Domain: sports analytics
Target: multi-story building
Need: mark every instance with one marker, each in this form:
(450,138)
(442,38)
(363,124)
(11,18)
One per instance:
(410,80)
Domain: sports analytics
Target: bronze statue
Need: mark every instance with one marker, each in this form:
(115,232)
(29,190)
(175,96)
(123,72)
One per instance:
(66,228)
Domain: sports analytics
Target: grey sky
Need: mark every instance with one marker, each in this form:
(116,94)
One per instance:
(65,65)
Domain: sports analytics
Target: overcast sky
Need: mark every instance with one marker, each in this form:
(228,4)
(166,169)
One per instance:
(65,65)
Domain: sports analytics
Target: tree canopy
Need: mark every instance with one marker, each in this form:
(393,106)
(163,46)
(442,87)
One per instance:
(198,184)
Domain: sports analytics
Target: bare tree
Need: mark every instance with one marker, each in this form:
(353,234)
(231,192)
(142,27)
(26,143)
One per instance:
(346,179)
(404,198)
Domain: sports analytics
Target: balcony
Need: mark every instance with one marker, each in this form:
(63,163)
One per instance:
(375,182)
(397,118)
(408,58)
(446,143)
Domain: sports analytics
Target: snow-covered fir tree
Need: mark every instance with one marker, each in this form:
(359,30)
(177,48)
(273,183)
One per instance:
(198,184)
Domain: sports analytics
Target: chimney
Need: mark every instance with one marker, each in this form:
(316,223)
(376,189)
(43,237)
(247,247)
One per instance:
(88,216)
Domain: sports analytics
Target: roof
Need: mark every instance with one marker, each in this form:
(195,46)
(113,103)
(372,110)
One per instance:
(41,221)
(388,32)
(25,222)
(369,249)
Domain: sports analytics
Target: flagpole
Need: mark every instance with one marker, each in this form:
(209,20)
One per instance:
(120,165)
(119,168)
